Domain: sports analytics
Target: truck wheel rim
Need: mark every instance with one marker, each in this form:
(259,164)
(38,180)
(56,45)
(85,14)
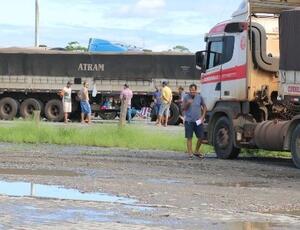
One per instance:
(30,109)
(55,110)
(223,137)
(7,108)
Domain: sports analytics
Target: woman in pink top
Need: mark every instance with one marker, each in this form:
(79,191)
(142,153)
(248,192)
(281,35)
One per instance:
(127,95)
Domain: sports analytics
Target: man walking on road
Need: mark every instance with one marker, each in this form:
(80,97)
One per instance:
(126,95)
(195,112)
(84,103)
(67,100)
(166,100)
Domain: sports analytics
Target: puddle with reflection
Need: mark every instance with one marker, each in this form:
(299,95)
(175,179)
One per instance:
(164,181)
(253,226)
(295,213)
(38,172)
(244,184)
(24,189)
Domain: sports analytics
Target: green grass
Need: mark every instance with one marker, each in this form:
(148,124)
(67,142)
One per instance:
(108,135)
(132,137)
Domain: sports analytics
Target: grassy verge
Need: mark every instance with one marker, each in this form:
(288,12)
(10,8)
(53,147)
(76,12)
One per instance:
(132,137)
(108,135)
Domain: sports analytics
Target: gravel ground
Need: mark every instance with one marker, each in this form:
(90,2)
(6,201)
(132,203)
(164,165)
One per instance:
(170,191)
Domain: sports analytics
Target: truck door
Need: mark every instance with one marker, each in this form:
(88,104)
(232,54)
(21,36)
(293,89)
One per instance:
(211,79)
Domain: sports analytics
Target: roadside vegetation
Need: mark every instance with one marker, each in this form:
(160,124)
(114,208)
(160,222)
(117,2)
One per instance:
(108,135)
(102,135)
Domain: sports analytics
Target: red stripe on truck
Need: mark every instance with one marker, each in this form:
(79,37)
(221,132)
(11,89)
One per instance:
(235,73)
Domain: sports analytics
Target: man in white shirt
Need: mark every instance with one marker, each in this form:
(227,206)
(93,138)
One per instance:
(67,100)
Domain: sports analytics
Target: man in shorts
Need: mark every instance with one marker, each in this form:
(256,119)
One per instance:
(67,100)
(194,114)
(166,100)
(84,103)
(126,95)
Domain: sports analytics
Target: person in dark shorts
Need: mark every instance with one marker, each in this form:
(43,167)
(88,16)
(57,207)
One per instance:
(194,115)
(84,103)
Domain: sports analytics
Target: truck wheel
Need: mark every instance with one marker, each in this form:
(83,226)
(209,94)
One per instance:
(28,106)
(174,114)
(54,110)
(223,140)
(108,115)
(8,108)
(295,146)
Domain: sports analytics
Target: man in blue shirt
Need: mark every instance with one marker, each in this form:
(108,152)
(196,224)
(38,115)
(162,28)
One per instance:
(157,100)
(194,111)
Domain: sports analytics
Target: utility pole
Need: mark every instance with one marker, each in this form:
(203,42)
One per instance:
(37,18)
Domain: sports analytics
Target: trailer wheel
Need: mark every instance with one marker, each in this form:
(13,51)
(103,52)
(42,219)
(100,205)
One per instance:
(54,110)
(223,140)
(174,114)
(108,115)
(28,106)
(8,108)
(295,146)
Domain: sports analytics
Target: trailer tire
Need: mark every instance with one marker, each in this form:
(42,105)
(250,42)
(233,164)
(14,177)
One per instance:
(295,146)
(174,114)
(54,110)
(8,108)
(223,139)
(28,106)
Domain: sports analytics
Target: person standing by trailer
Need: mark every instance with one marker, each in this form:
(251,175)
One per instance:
(126,95)
(67,100)
(166,100)
(179,102)
(195,112)
(157,102)
(84,103)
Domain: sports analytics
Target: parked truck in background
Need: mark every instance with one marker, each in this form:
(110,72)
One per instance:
(30,79)
(251,79)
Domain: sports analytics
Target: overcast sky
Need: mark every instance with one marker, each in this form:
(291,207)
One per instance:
(152,24)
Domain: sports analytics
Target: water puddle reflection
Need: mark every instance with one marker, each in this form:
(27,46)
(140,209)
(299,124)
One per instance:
(38,172)
(24,189)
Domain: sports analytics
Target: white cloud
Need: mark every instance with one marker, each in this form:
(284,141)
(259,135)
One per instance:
(142,8)
(150,4)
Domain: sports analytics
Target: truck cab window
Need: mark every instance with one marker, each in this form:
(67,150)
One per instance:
(224,47)
(214,48)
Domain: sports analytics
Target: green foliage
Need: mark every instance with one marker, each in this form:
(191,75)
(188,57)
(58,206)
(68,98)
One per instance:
(75,46)
(180,48)
(107,135)
(132,137)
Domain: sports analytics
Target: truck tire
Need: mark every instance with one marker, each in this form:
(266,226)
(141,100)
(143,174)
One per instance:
(28,106)
(223,140)
(8,108)
(295,146)
(108,115)
(54,110)
(174,114)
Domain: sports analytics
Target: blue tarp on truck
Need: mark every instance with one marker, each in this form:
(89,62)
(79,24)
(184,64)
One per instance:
(100,45)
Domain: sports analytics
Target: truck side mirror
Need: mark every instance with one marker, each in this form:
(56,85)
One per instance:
(201,61)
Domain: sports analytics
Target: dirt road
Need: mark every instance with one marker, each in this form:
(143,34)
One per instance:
(125,189)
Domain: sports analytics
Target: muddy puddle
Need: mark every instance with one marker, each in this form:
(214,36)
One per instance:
(242,184)
(253,226)
(293,213)
(38,172)
(25,189)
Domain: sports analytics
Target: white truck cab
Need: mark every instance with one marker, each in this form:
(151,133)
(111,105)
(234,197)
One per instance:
(252,99)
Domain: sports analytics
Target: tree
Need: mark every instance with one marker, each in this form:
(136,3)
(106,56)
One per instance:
(181,49)
(75,46)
